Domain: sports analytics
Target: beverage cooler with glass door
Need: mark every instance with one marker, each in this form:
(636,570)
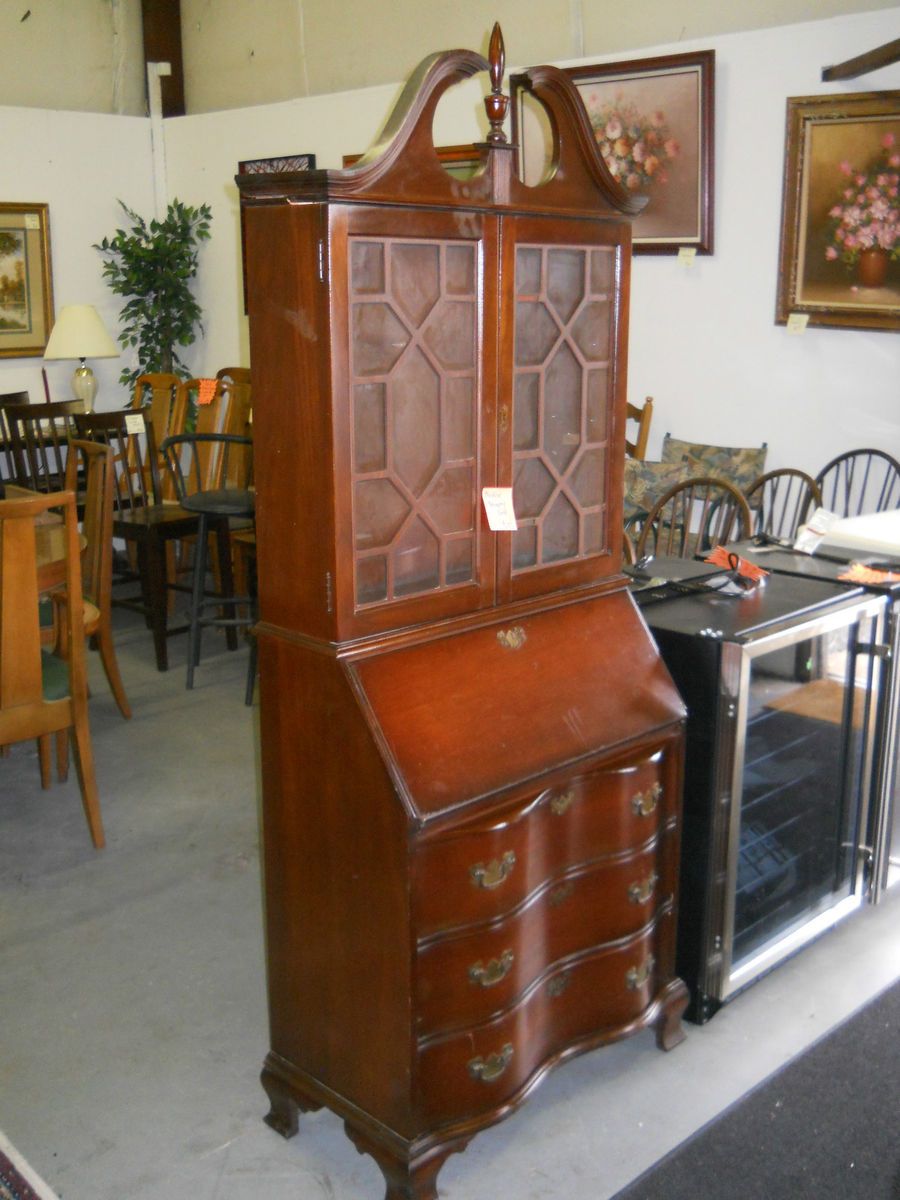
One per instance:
(782,688)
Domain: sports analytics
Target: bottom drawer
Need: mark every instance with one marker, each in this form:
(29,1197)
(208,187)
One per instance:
(600,994)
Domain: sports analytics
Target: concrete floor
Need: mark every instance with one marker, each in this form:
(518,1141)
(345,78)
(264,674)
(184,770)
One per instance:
(132,990)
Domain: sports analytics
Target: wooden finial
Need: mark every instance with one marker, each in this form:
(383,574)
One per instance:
(496,104)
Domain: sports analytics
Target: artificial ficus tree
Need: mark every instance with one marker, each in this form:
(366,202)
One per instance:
(153,265)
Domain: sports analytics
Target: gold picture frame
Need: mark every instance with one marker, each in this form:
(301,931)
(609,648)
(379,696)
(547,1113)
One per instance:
(26,280)
(654,122)
(841,154)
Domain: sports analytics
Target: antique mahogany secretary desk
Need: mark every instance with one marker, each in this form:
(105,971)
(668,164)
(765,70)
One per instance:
(471,750)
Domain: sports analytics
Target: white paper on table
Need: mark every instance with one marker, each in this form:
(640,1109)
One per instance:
(810,534)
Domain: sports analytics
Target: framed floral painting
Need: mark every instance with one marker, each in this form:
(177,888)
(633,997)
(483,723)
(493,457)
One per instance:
(26,281)
(653,120)
(840,227)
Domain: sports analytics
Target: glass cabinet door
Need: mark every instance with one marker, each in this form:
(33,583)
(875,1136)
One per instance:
(801,788)
(414,337)
(558,403)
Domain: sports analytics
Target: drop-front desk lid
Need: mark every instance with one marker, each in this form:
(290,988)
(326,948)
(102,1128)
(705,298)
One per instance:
(464,715)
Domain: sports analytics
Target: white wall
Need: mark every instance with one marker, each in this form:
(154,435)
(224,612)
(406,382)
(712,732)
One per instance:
(703,342)
(79,164)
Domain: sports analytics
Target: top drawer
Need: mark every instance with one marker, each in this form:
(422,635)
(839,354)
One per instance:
(486,868)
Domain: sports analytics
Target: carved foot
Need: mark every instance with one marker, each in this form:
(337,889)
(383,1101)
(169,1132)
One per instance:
(669,1030)
(413,1178)
(285,1104)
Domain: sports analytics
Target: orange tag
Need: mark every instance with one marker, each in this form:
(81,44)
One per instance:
(858,573)
(720,557)
(206,390)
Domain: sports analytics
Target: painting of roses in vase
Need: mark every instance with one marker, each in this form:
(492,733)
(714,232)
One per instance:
(652,121)
(849,245)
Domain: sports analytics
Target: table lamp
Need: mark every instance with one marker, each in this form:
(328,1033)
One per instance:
(79,333)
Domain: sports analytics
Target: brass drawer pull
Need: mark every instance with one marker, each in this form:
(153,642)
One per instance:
(558,984)
(562,801)
(644,803)
(640,892)
(637,977)
(512,639)
(486,1070)
(497,969)
(495,873)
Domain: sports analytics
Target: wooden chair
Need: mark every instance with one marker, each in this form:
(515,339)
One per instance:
(96,560)
(38,436)
(158,393)
(643,416)
(139,515)
(7,464)
(40,693)
(693,517)
(780,501)
(860,481)
(236,381)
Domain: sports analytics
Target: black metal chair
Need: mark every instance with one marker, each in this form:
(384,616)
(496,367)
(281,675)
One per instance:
(205,484)
(780,501)
(860,481)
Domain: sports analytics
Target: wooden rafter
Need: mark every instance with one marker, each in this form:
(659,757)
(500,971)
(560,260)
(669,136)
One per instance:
(882,56)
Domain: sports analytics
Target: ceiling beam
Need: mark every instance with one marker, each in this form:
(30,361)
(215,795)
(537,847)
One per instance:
(883,56)
(162,43)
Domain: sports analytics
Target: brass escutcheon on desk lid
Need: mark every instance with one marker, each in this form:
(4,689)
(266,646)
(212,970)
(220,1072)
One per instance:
(513,638)
(492,874)
(496,969)
(486,1070)
(644,804)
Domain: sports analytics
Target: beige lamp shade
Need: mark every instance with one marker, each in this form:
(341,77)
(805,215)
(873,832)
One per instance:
(79,333)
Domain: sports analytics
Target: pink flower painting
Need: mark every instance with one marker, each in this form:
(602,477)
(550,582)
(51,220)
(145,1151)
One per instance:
(866,215)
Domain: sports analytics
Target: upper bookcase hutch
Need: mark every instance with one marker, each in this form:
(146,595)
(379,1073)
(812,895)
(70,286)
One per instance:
(471,751)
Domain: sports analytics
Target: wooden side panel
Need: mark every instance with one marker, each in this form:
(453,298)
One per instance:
(292,428)
(337,906)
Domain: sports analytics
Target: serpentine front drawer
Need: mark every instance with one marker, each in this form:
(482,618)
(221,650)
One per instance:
(486,868)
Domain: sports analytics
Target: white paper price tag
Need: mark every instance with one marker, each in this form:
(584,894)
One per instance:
(134,422)
(797,323)
(32,221)
(498,508)
(686,256)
